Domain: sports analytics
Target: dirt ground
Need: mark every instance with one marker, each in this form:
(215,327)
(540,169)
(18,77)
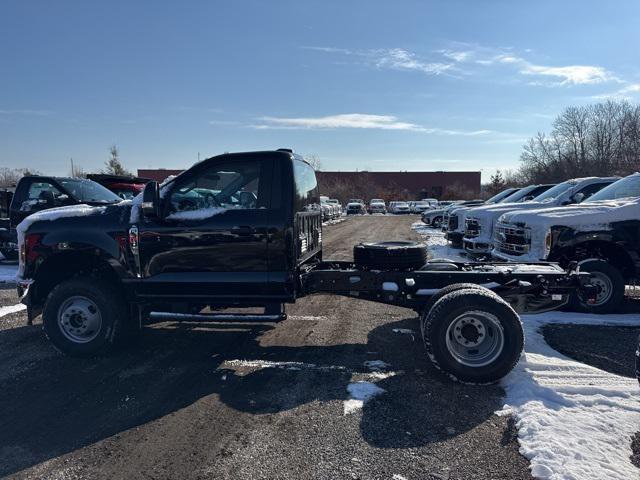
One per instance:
(196,401)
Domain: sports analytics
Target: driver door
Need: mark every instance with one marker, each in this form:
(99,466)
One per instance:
(211,238)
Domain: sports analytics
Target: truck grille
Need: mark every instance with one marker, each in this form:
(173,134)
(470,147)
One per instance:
(471,227)
(512,240)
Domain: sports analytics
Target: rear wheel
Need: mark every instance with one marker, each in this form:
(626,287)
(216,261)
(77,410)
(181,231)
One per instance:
(441,293)
(610,285)
(473,335)
(436,222)
(84,317)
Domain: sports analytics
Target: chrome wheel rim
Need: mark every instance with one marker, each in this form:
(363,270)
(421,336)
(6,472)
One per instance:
(605,288)
(475,338)
(79,319)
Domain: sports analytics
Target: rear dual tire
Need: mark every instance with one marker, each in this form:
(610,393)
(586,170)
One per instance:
(472,335)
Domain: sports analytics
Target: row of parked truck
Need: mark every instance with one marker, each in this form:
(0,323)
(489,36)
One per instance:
(594,221)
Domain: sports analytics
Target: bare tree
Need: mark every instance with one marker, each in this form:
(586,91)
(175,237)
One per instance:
(593,140)
(9,177)
(314,161)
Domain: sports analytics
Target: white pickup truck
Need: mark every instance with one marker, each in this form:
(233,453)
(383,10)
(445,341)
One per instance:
(602,234)
(453,223)
(480,222)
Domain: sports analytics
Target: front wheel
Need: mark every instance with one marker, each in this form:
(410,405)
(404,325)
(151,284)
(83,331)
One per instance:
(610,288)
(84,317)
(473,336)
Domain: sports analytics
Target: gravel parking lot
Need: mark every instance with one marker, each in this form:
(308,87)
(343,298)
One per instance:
(255,401)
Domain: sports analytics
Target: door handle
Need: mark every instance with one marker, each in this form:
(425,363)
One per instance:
(243,230)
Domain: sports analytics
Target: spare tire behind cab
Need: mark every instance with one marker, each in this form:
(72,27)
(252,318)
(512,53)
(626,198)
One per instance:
(395,255)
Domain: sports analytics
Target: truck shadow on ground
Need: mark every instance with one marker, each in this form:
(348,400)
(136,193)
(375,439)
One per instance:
(58,404)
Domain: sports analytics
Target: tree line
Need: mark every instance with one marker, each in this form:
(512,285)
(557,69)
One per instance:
(601,139)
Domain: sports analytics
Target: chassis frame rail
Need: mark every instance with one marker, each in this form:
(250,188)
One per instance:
(527,287)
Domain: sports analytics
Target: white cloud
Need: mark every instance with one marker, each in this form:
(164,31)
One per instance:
(632,88)
(457,56)
(357,120)
(625,93)
(567,75)
(391,58)
(450,61)
(348,120)
(572,74)
(399,59)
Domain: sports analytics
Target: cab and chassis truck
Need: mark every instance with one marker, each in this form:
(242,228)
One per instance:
(97,274)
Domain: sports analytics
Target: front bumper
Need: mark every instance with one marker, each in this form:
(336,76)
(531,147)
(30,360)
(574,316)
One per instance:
(477,245)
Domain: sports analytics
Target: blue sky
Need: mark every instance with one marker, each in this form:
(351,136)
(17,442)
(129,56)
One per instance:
(412,85)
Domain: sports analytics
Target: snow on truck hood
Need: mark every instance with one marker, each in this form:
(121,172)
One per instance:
(587,216)
(82,210)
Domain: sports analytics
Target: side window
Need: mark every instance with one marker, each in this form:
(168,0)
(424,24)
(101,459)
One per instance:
(307,196)
(218,187)
(43,195)
(591,189)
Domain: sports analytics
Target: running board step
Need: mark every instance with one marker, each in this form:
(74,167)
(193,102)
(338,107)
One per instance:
(218,317)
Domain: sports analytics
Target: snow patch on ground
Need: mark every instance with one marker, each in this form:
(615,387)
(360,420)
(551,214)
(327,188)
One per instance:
(307,318)
(12,309)
(403,331)
(334,222)
(437,245)
(360,393)
(376,365)
(574,421)
(258,364)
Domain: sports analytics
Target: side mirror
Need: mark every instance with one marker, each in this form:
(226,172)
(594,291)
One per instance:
(151,200)
(578,197)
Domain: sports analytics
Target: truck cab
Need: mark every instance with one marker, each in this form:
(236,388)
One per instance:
(231,231)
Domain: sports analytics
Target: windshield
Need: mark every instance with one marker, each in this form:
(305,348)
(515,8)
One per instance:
(554,192)
(500,196)
(88,191)
(520,194)
(628,187)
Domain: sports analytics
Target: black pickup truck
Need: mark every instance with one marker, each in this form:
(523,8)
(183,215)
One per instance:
(245,230)
(35,193)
